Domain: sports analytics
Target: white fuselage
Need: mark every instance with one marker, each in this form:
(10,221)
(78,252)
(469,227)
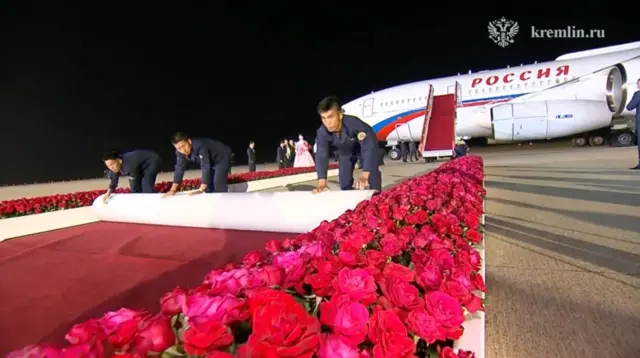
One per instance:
(588,87)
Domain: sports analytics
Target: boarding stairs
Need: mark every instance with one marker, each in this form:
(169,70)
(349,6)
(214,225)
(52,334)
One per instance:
(439,128)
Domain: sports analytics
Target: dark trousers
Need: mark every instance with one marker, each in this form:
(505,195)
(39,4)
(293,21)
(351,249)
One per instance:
(638,138)
(281,164)
(346,165)
(252,167)
(413,155)
(145,182)
(219,174)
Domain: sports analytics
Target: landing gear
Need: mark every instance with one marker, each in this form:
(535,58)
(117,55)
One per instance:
(394,154)
(578,141)
(430,159)
(596,141)
(622,139)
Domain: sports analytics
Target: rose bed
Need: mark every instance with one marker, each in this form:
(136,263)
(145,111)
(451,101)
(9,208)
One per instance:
(395,277)
(37,205)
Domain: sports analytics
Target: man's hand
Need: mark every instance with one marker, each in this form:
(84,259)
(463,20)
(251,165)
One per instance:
(322,186)
(363,182)
(202,189)
(168,194)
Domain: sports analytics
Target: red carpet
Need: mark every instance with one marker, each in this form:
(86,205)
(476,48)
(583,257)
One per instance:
(441,131)
(52,280)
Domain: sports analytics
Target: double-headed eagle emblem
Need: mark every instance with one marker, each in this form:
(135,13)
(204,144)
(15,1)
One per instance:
(503,31)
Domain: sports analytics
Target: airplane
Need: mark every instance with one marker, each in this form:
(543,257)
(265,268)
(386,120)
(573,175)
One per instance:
(580,94)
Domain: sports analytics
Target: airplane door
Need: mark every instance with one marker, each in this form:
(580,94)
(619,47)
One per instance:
(367,108)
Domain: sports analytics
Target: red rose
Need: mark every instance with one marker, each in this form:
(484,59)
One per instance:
(273,246)
(399,271)
(170,302)
(394,345)
(345,317)
(473,236)
(252,259)
(447,352)
(219,354)
(155,335)
(283,329)
(401,293)
(425,326)
(85,332)
(270,275)
(205,335)
(358,284)
(382,322)
(263,296)
(121,326)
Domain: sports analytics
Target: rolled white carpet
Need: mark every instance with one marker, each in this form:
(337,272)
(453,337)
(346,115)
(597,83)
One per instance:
(294,211)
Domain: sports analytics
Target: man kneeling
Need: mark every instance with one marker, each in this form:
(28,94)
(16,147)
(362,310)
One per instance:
(141,166)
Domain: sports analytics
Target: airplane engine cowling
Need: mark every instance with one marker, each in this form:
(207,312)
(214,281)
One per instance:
(616,91)
(548,119)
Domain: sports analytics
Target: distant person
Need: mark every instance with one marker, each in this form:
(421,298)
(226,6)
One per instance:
(251,157)
(281,154)
(303,158)
(353,138)
(634,104)
(413,151)
(214,158)
(141,166)
(404,150)
(461,148)
(291,153)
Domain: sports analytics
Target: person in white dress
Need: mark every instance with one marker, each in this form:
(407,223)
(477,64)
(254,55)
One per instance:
(303,157)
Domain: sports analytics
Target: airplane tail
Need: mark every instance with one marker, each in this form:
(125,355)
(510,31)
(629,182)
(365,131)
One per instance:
(599,51)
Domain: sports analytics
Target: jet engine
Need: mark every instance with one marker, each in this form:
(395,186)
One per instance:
(616,95)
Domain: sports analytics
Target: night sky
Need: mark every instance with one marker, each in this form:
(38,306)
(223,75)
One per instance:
(79,80)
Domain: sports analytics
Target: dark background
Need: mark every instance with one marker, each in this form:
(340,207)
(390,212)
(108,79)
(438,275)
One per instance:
(78,78)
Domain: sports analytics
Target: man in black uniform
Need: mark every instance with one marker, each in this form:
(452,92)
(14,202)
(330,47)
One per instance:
(404,150)
(251,156)
(213,157)
(141,166)
(353,138)
(413,151)
(634,104)
(281,154)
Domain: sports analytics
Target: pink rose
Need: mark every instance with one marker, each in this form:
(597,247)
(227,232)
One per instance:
(334,345)
(425,326)
(293,264)
(358,284)
(430,277)
(314,249)
(442,258)
(447,312)
(399,271)
(232,282)
(225,309)
(346,317)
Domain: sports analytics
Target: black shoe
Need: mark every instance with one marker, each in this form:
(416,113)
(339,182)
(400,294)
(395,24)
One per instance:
(637,167)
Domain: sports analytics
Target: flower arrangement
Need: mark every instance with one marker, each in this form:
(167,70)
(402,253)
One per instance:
(37,205)
(393,278)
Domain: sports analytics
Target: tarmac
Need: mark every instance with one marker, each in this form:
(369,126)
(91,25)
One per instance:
(562,243)
(562,249)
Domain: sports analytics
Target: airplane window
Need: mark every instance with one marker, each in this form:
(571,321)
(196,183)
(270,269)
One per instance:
(477,91)
(497,89)
(483,90)
(490,89)
(526,84)
(573,78)
(557,80)
(542,83)
(402,101)
(517,85)
(504,88)
(549,82)
(566,79)
(397,101)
